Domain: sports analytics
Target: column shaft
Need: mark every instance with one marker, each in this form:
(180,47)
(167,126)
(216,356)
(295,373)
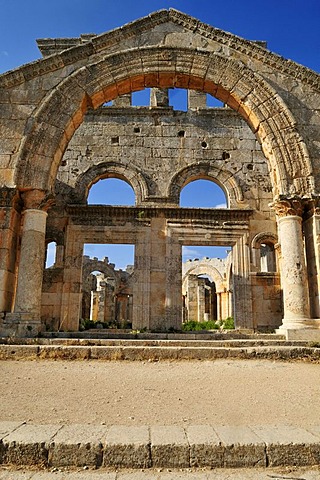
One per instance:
(293,273)
(32,254)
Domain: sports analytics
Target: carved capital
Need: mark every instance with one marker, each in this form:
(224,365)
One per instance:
(286,206)
(37,199)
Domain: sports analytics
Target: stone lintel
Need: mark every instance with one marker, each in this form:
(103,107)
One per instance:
(145,213)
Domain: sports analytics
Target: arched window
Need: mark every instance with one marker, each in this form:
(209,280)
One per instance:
(263,251)
(111,191)
(267,258)
(51,254)
(203,194)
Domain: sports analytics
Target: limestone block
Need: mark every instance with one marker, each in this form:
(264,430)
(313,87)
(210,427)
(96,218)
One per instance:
(242,447)
(288,445)
(77,445)
(127,447)
(18,352)
(169,447)
(28,444)
(205,447)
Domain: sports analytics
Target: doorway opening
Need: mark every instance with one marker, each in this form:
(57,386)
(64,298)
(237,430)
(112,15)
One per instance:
(107,285)
(206,293)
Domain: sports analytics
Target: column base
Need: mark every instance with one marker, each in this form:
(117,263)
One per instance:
(20,325)
(304,330)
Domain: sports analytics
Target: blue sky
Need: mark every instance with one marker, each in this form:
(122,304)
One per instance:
(290,27)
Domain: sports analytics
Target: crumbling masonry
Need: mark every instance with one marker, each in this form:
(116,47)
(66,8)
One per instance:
(58,138)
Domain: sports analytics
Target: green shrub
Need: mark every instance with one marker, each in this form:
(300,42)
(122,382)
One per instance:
(193,326)
(228,324)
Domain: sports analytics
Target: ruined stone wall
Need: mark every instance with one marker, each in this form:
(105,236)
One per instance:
(161,145)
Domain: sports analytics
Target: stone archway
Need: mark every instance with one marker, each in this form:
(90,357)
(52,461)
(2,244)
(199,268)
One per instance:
(257,102)
(201,299)
(244,77)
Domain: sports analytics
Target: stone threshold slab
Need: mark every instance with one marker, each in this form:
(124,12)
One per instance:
(140,447)
(155,353)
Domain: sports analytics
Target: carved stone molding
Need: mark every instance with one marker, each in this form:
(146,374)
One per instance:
(286,206)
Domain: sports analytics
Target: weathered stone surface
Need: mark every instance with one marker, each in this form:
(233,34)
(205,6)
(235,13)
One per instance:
(127,447)
(28,445)
(205,446)
(169,447)
(77,445)
(242,447)
(288,445)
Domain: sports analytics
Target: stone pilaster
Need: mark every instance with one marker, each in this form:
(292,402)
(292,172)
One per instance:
(294,281)
(72,281)
(10,209)
(26,317)
(311,227)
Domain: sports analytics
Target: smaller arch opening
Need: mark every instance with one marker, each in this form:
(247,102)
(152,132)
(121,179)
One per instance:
(267,258)
(200,193)
(51,252)
(111,191)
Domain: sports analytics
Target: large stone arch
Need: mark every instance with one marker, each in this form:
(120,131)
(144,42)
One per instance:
(58,116)
(206,171)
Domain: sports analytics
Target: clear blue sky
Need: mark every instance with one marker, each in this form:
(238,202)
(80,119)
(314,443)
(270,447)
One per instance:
(290,27)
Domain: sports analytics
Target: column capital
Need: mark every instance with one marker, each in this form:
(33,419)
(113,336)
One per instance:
(287,206)
(37,199)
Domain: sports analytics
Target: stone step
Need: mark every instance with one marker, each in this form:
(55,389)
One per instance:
(145,447)
(110,334)
(227,343)
(156,353)
(185,342)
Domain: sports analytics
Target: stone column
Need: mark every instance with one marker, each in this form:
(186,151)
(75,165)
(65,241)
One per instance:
(27,309)
(294,281)
(219,315)
(201,299)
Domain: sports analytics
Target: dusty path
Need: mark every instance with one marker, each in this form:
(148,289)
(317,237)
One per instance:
(181,393)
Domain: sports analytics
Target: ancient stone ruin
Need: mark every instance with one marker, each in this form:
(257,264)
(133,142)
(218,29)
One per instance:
(67,121)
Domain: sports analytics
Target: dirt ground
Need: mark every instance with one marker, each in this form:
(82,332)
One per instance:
(223,392)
